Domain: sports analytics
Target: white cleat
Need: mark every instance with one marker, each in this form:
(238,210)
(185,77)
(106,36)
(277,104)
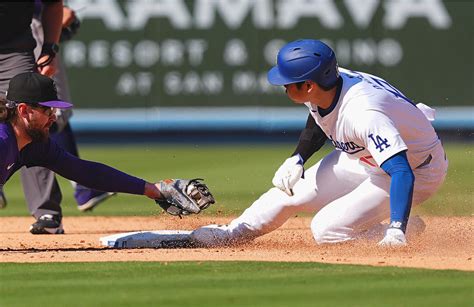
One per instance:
(211,236)
(394,237)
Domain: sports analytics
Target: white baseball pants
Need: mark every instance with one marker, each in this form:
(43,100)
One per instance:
(348,199)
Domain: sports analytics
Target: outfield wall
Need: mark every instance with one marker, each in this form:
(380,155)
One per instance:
(231,118)
(230,124)
(168,53)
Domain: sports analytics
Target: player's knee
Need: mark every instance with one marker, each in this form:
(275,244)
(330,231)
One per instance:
(319,232)
(324,232)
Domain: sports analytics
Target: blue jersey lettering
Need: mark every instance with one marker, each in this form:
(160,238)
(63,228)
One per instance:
(348,147)
(381,84)
(379,142)
(391,89)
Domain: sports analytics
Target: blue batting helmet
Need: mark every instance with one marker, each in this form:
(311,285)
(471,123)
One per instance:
(302,60)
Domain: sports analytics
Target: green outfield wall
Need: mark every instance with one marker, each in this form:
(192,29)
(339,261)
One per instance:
(149,53)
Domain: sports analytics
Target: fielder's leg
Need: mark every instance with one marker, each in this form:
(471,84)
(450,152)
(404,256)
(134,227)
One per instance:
(42,192)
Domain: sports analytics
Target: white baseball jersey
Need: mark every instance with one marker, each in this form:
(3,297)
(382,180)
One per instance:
(372,119)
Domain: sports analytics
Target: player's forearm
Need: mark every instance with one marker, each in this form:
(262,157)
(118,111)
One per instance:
(312,138)
(401,189)
(87,173)
(401,194)
(99,176)
(51,21)
(152,191)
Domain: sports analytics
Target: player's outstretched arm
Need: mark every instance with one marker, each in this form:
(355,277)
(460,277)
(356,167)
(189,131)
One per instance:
(176,196)
(90,174)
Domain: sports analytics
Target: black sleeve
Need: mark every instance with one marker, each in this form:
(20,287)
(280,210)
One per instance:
(312,138)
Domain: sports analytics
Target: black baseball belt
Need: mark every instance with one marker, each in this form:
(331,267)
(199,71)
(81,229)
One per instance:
(426,162)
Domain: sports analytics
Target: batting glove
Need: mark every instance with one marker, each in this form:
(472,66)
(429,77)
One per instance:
(394,237)
(288,174)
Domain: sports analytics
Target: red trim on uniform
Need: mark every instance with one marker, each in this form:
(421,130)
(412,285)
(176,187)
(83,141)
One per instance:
(366,160)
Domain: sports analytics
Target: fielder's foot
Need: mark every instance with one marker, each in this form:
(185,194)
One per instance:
(3,200)
(211,236)
(94,201)
(47,224)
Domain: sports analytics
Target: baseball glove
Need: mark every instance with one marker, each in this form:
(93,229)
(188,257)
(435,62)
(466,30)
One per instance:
(183,197)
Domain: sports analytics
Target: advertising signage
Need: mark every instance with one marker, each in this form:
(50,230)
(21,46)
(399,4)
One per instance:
(162,53)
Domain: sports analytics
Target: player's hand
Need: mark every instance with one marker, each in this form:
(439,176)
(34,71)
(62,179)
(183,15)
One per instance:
(394,237)
(70,24)
(288,174)
(46,65)
(68,17)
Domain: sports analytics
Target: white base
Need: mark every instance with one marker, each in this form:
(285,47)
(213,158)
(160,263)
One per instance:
(150,239)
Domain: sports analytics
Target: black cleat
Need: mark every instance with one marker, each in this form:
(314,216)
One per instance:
(47,224)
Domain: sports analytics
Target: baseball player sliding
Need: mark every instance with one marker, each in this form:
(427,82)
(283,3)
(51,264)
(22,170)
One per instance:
(387,156)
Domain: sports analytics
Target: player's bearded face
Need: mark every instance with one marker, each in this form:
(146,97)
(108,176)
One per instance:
(39,124)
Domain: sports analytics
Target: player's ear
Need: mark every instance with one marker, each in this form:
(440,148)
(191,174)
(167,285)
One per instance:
(22,109)
(309,86)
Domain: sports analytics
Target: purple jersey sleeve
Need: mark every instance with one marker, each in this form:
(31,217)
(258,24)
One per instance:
(90,174)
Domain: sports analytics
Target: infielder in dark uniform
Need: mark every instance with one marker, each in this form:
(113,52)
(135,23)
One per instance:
(41,188)
(24,141)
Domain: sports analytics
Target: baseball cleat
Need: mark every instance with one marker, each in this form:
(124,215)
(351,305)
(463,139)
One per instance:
(95,201)
(47,224)
(394,237)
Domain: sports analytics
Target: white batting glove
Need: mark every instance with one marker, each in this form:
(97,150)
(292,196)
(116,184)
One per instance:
(394,237)
(288,174)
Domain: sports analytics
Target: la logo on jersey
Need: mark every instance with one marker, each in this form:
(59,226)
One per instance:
(348,147)
(379,142)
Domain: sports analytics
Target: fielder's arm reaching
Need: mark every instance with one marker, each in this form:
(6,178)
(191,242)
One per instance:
(24,141)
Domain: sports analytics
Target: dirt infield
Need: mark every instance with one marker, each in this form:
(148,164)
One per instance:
(446,243)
